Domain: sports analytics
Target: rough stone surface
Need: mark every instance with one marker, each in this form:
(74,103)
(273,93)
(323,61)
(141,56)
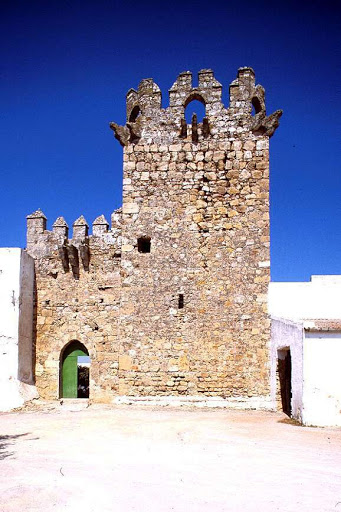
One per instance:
(194,222)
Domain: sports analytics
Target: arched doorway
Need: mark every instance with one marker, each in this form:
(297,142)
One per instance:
(74,371)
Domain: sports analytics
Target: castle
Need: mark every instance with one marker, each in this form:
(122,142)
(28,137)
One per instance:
(172,299)
(173,304)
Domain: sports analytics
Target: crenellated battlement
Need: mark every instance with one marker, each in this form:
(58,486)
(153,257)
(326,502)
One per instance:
(42,243)
(60,228)
(147,100)
(148,122)
(208,92)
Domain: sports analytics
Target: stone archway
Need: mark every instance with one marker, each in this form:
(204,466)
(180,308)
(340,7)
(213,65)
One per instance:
(74,371)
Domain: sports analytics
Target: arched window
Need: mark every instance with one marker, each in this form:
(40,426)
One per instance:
(134,114)
(74,371)
(256,106)
(195,105)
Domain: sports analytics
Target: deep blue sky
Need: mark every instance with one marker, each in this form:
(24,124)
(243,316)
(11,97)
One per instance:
(65,70)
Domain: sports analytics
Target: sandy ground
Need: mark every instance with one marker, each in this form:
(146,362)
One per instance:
(145,459)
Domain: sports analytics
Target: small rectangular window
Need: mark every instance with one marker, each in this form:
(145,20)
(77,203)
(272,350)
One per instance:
(143,244)
(181,301)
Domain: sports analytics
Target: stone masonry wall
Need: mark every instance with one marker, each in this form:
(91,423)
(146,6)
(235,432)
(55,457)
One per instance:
(190,316)
(76,300)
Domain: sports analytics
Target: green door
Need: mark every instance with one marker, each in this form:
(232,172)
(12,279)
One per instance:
(70,369)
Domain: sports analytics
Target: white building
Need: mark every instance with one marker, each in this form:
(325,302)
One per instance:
(16,328)
(306,349)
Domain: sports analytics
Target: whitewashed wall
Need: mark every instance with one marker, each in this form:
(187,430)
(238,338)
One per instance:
(319,298)
(322,379)
(316,356)
(16,323)
(287,334)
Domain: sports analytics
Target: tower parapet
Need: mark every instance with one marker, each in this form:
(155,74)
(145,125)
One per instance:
(146,100)
(209,92)
(148,122)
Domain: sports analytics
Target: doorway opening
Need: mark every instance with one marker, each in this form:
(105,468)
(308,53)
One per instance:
(284,379)
(74,371)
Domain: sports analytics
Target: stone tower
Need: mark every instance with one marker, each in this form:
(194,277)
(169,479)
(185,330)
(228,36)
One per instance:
(172,300)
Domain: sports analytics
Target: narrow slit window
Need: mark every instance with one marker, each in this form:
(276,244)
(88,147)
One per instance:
(181,301)
(143,244)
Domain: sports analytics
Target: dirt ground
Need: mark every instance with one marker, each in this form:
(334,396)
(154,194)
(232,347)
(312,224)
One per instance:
(130,458)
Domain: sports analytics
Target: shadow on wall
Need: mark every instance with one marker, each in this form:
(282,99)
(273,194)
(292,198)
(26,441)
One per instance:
(6,442)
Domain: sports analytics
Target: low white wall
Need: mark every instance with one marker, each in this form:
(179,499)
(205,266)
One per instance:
(288,334)
(16,328)
(319,298)
(322,379)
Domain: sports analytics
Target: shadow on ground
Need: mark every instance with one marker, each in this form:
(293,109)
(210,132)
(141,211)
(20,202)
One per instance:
(6,442)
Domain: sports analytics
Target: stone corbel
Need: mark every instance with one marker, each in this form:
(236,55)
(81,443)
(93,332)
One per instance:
(263,124)
(131,132)
(266,125)
(135,130)
(122,133)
